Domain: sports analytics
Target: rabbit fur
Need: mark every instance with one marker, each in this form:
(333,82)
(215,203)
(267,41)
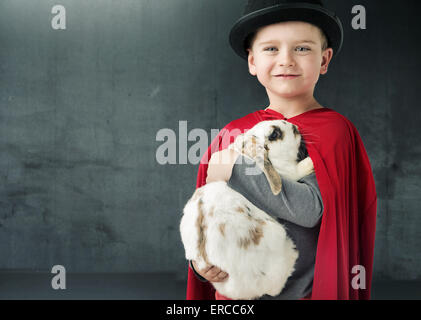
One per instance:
(221,227)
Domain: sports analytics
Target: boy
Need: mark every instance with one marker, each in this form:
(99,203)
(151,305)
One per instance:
(330,215)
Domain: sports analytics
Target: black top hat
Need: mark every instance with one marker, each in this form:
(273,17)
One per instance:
(259,13)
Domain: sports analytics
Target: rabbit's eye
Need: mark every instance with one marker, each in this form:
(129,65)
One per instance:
(276,134)
(273,136)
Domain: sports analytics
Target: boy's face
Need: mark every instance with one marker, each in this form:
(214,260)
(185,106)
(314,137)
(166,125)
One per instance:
(292,47)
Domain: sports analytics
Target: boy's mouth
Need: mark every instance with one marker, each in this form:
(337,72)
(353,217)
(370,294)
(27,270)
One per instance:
(287,76)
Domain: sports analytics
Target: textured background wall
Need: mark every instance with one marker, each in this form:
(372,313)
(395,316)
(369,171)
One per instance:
(80,109)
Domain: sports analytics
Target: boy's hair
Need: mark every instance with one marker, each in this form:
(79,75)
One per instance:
(248,43)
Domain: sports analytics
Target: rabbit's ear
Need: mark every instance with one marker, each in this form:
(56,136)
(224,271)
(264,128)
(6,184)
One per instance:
(238,143)
(248,145)
(271,174)
(251,148)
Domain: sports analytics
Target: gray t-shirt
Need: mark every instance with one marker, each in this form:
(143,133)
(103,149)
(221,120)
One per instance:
(298,207)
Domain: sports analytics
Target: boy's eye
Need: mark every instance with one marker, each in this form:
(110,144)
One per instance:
(268,48)
(299,49)
(303,49)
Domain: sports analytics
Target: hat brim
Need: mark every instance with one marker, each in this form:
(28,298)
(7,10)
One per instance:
(317,15)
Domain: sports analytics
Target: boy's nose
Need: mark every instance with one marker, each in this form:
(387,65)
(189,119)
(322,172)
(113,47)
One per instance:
(285,58)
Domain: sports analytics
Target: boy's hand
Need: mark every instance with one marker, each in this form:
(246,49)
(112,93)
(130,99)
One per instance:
(211,273)
(221,164)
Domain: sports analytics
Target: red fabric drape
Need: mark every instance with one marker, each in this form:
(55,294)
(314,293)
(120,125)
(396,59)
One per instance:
(347,187)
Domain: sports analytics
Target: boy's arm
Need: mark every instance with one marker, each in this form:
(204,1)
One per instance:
(298,202)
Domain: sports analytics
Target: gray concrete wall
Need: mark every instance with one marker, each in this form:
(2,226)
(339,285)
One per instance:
(80,109)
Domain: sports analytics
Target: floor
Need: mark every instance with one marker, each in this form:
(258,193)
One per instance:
(30,286)
(91,286)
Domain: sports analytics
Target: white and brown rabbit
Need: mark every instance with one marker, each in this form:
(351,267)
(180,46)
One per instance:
(221,227)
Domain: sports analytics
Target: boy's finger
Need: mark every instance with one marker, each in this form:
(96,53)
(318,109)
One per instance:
(212,272)
(222,276)
(207,268)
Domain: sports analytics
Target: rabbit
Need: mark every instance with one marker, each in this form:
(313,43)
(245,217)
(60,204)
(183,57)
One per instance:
(221,227)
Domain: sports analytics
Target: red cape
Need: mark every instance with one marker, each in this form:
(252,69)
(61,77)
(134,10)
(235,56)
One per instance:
(346,183)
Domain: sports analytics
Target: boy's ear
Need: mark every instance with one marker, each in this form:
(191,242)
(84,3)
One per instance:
(250,59)
(326,58)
